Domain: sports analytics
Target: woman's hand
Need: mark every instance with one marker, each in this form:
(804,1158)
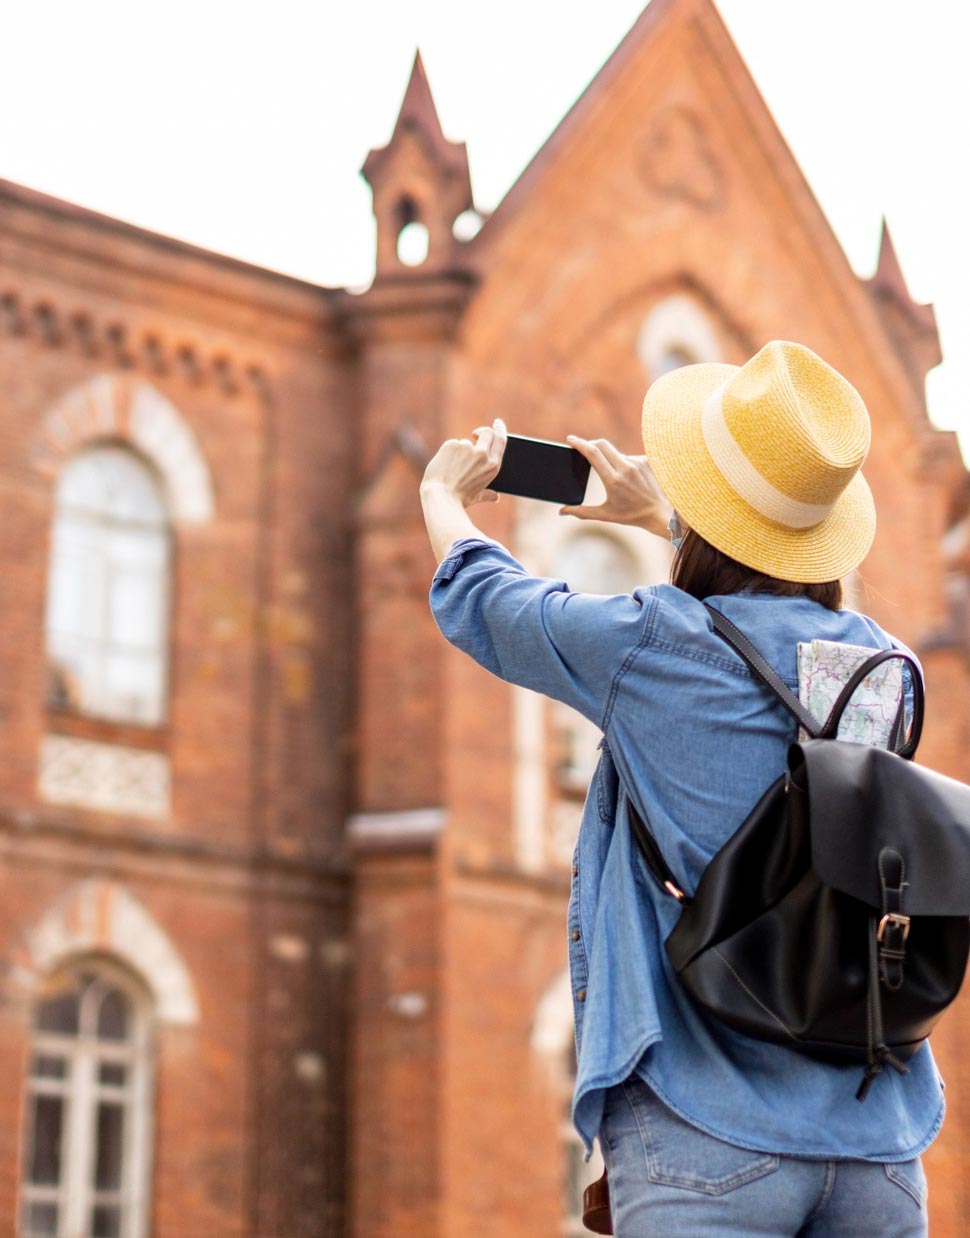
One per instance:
(632,493)
(457,477)
(464,469)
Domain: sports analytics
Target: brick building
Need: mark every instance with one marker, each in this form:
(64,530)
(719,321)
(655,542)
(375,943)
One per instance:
(282,877)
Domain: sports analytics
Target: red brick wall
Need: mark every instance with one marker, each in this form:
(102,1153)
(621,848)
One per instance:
(247,876)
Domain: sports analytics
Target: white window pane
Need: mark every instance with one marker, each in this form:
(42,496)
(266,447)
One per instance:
(130,686)
(108,589)
(76,582)
(135,545)
(112,481)
(135,613)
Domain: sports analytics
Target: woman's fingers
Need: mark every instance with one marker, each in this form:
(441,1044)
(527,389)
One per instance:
(591,449)
(616,458)
(483,439)
(499,438)
(491,440)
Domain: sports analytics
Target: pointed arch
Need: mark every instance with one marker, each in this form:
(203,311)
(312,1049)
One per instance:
(676,331)
(113,406)
(102,917)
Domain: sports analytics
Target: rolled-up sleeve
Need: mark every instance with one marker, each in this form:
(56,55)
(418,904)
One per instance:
(533,631)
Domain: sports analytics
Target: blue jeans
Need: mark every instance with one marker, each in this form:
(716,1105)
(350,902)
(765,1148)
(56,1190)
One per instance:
(670,1178)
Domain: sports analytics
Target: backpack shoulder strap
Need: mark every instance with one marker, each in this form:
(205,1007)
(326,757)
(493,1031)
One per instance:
(650,850)
(897,743)
(642,834)
(734,637)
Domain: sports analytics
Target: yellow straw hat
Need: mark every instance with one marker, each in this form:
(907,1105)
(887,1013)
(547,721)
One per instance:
(763,461)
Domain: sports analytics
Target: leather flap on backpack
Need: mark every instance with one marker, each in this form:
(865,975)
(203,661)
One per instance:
(862,799)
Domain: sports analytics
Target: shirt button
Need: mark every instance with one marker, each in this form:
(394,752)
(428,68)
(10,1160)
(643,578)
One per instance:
(581,995)
(575,934)
(575,870)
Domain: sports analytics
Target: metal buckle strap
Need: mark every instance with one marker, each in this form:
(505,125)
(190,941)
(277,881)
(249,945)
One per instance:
(893,929)
(896,921)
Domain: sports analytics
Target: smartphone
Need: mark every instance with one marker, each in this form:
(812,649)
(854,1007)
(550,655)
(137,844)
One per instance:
(536,469)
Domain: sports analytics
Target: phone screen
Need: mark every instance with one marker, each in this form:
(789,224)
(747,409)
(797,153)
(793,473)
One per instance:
(536,469)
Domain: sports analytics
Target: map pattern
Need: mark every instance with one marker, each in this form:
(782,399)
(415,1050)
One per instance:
(824,667)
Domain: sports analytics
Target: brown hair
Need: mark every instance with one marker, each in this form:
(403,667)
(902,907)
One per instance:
(702,571)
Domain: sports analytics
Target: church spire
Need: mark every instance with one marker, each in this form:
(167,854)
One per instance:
(420,181)
(911,326)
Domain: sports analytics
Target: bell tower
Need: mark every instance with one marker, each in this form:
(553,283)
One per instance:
(420,183)
(403,331)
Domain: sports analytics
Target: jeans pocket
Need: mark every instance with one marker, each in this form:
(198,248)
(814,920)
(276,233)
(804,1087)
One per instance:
(681,1155)
(910,1176)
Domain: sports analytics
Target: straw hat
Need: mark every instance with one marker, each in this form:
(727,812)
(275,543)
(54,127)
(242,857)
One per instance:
(763,461)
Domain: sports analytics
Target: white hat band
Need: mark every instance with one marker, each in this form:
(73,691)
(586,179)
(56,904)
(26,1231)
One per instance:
(744,479)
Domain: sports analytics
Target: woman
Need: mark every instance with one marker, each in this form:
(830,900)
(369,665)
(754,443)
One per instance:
(704,1131)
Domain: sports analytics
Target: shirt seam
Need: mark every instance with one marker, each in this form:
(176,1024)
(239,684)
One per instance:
(644,638)
(711,659)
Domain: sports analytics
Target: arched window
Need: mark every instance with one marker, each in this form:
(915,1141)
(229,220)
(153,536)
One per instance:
(673,357)
(108,588)
(676,332)
(88,1108)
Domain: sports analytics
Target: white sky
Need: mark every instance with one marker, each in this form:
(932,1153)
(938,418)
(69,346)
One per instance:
(241,126)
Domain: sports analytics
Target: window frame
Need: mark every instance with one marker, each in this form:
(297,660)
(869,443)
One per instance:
(76,1194)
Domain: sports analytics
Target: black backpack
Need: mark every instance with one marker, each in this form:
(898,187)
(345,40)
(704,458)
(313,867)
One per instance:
(836,920)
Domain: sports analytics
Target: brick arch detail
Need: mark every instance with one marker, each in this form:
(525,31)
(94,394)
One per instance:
(102,917)
(735,342)
(112,406)
(677,321)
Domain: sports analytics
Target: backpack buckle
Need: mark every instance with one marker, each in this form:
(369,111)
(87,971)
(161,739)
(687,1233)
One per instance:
(896,920)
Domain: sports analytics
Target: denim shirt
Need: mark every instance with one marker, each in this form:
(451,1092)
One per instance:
(694,740)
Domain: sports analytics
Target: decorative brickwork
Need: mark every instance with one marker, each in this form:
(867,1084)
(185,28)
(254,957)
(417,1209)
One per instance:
(114,407)
(104,777)
(99,917)
(118,346)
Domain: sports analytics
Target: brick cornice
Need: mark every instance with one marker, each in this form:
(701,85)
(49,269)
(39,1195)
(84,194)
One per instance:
(258,299)
(119,346)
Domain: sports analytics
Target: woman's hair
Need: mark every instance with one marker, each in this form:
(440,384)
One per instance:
(703,572)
